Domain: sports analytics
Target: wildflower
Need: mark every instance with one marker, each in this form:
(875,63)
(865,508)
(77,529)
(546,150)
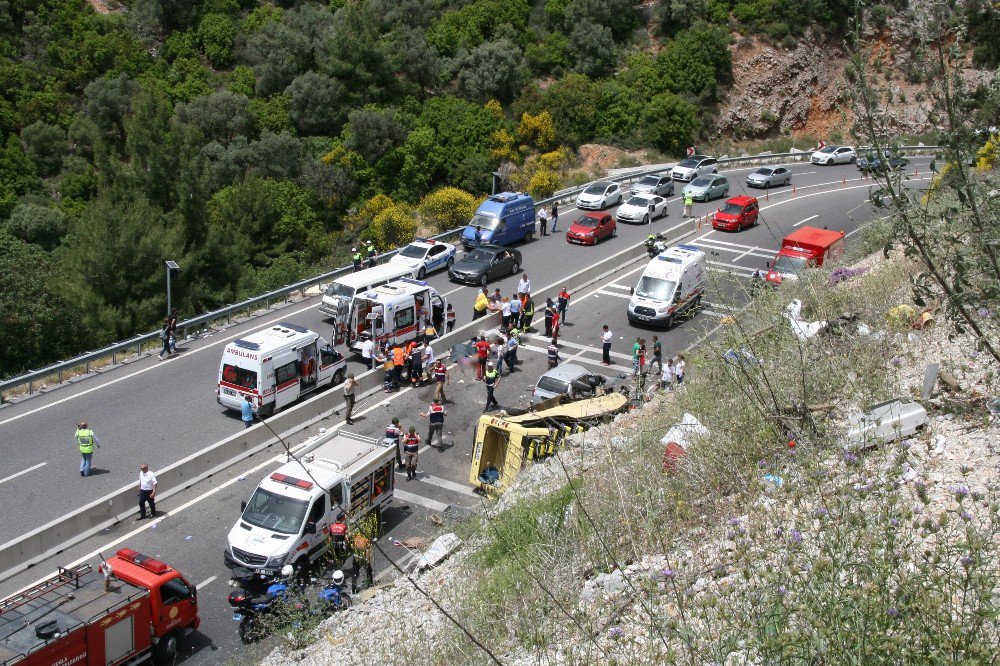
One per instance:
(850,458)
(820,512)
(796,536)
(734,521)
(894,522)
(778,532)
(615,632)
(668,573)
(966,561)
(961,492)
(892,612)
(782,590)
(762,464)
(976,495)
(966,516)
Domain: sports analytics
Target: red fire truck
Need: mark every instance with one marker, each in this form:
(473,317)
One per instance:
(128,610)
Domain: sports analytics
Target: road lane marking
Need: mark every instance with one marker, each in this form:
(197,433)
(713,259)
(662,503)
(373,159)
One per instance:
(24,471)
(615,285)
(750,251)
(214,343)
(806,220)
(588,361)
(577,345)
(611,293)
(420,500)
(205,582)
(447,485)
(731,268)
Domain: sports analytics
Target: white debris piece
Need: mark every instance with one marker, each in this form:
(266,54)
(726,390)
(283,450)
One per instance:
(443,546)
(803,330)
(682,433)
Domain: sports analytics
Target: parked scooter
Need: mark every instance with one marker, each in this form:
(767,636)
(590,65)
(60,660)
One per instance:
(258,595)
(655,244)
(334,597)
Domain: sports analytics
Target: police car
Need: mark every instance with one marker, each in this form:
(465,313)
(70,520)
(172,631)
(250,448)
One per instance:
(429,255)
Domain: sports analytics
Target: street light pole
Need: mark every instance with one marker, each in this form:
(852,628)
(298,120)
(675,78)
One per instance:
(172,268)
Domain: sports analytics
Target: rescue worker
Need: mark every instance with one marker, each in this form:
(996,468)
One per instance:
(356,259)
(651,245)
(372,254)
(481,305)
(562,304)
(416,358)
(553,353)
(440,376)
(435,417)
(86,440)
(527,314)
(411,447)
(688,203)
(449,318)
(398,361)
(482,354)
(361,562)
(338,535)
(395,433)
(491,380)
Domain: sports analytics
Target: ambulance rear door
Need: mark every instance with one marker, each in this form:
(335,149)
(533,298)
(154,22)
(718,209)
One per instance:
(404,322)
(286,379)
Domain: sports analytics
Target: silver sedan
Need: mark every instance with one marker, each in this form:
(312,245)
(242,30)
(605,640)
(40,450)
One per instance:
(708,187)
(769,177)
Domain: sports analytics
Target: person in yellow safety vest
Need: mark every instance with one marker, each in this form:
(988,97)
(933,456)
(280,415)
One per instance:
(356,259)
(688,203)
(86,440)
(372,254)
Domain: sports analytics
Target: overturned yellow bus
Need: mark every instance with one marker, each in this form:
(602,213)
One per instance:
(506,444)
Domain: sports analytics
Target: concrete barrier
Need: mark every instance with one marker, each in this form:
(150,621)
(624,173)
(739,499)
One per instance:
(19,554)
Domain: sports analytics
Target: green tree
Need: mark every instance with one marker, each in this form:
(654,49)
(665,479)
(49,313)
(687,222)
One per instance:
(35,223)
(618,16)
(316,104)
(216,33)
(272,113)
(550,56)
(45,145)
(108,103)
(494,70)
(572,101)
(697,62)
(355,54)
(371,132)
(593,49)
(242,81)
(447,208)
(393,227)
(221,116)
(670,123)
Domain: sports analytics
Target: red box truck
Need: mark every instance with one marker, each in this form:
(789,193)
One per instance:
(136,609)
(805,248)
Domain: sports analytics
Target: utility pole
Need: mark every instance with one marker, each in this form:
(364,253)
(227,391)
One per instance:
(172,269)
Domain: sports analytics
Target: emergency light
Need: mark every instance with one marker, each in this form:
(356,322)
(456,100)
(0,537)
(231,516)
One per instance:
(291,481)
(148,563)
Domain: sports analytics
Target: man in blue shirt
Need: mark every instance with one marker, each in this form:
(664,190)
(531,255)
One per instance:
(247,412)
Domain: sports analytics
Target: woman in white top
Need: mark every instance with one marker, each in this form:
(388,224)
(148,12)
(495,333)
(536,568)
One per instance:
(679,368)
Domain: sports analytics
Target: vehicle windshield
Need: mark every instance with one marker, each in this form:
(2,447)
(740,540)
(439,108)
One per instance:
(649,180)
(640,202)
(764,172)
(656,289)
(786,264)
(731,209)
(413,252)
(479,257)
(487,222)
(688,162)
(596,189)
(586,221)
(275,512)
(829,149)
(338,290)
(701,182)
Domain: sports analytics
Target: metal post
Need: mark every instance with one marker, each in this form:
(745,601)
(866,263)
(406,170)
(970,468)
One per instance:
(168,289)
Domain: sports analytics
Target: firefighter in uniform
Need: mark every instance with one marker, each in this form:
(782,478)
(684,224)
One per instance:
(411,447)
(395,433)
(492,381)
(356,259)
(338,534)
(527,314)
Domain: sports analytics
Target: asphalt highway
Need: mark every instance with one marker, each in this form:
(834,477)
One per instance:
(160,411)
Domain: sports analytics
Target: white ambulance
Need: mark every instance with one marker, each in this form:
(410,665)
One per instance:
(276,366)
(340,293)
(393,313)
(287,519)
(672,284)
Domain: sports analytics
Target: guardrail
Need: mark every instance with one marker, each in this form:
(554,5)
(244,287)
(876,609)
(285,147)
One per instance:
(20,553)
(133,347)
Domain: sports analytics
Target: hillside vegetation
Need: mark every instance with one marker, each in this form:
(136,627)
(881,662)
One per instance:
(253,142)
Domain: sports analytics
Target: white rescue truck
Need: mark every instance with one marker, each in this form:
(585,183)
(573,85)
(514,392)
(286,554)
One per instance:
(277,366)
(672,283)
(287,519)
(393,313)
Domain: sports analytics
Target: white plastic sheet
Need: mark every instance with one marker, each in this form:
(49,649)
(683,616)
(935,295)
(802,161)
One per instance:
(803,330)
(684,432)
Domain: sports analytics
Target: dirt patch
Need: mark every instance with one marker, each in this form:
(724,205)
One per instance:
(597,159)
(101,7)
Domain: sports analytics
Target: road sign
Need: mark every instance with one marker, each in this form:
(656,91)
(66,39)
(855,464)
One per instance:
(691,151)
(821,145)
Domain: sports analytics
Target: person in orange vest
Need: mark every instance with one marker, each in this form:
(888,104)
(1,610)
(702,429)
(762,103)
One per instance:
(411,447)
(398,361)
(338,534)
(435,415)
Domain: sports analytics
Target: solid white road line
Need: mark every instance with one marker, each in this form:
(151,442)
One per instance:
(420,500)
(200,586)
(447,485)
(588,361)
(577,345)
(215,343)
(612,293)
(806,220)
(24,471)
(615,285)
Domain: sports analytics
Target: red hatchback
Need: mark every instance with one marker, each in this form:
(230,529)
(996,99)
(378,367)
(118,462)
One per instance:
(737,213)
(590,228)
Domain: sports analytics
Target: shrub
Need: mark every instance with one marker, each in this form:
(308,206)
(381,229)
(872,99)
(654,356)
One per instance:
(447,208)
(537,131)
(544,183)
(393,227)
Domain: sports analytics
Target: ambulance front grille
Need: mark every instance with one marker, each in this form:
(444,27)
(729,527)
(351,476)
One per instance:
(249,558)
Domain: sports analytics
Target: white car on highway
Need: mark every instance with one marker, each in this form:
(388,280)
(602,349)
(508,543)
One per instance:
(641,208)
(599,195)
(834,155)
(426,256)
(690,168)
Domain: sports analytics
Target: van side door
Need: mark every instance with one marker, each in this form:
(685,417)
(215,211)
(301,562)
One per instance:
(316,527)
(404,324)
(178,605)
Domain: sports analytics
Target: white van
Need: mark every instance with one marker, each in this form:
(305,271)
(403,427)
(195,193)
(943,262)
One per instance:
(275,367)
(340,293)
(672,283)
(287,519)
(393,313)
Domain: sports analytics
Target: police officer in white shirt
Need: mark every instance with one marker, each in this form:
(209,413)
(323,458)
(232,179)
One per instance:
(147,492)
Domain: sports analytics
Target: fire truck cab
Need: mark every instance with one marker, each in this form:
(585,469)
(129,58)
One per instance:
(128,610)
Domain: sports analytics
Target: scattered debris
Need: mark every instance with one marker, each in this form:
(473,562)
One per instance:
(443,546)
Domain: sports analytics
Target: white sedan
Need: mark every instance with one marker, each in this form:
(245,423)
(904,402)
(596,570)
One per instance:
(641,208)
(429,255)
(599,195)
(834,155)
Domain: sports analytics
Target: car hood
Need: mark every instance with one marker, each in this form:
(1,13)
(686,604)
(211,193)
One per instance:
(683,169)
(636,189)
(820,155)
(260,541)
(759,176)
(580,229)
(465,265)
(626,209)
(406,261)
(590,197)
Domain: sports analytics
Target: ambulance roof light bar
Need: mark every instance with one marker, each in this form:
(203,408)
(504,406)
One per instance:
(291,481)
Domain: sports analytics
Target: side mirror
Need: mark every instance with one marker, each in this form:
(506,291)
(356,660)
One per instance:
(310,528)
(631,291)
(243,506)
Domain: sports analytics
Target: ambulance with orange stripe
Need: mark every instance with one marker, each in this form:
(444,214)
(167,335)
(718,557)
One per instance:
(393,313)
(277,366)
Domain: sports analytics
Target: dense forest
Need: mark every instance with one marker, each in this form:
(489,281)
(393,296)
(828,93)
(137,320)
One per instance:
(253,142)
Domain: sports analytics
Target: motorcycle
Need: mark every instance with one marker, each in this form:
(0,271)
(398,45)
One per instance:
(258,595)
(656,244)
(333,596)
